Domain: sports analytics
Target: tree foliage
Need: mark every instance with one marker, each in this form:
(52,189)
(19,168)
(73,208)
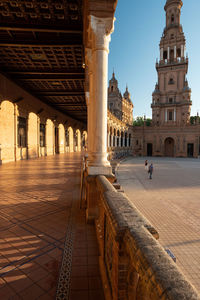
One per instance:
(140,121)
(194,120)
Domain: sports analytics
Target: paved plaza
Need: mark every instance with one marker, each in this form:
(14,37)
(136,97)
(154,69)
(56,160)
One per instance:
(46,248)
(171,202)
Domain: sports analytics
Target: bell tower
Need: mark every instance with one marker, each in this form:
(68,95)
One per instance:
(171,99)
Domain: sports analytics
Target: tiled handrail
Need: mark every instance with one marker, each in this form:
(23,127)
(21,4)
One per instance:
(133,264)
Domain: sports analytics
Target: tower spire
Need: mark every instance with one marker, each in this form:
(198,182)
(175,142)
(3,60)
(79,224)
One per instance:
(113,74)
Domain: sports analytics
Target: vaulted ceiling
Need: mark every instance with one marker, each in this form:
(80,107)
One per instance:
(41,49)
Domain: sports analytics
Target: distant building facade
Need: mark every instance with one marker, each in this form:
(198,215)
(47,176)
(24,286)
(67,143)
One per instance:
(120,120)
(120,106)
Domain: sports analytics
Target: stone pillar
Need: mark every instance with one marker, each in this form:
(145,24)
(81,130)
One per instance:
(161,54)
(123,141)
(108,140)
(168,53)
(182,51)
(127,141)
(174,114)
(166,115)
(174,52)
(100,30)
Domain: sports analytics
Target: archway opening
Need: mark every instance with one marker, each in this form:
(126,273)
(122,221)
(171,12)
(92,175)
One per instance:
(169,147)
(190,150)
(149,149)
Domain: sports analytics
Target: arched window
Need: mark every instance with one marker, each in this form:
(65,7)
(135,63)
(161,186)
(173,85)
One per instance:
(165,55)
(172,18)
(112,88)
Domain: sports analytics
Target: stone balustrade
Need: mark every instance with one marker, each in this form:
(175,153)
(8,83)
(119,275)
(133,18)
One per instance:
(133,264)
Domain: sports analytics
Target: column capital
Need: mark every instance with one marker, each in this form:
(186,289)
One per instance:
(99,31)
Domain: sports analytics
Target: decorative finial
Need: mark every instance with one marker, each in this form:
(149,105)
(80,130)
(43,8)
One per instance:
(113,73)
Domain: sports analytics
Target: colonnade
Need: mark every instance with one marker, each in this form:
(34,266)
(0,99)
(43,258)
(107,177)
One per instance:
(172,53)
(25,134)
(119,139)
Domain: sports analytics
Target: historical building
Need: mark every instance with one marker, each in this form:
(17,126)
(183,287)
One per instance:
(120,107)
(120,119)
(171,133)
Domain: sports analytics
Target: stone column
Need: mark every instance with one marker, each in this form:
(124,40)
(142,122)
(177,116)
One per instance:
(100,30)
(108,136)
(182,51)
(174,114)
(174,52)
(161,54)
(168,53)
(116,141)
(166,115)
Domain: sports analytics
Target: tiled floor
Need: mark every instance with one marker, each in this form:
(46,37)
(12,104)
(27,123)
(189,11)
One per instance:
(36,200)
(171,201)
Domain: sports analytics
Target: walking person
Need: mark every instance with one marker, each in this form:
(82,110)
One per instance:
(150,171)
(146,164)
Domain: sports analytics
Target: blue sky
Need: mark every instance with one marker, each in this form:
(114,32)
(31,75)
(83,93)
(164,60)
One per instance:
(134,48)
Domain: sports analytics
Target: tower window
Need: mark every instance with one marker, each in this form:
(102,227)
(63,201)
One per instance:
(172,36)
(172,19)
(165,55)
(170,116)
(172,55)
(170,100)
(171,81)
(112,88)
(178,52)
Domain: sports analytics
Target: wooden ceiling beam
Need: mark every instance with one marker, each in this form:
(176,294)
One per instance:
(52,77)
(49,73)
(59,93)
(41,29)
(70,104)
(34,43)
